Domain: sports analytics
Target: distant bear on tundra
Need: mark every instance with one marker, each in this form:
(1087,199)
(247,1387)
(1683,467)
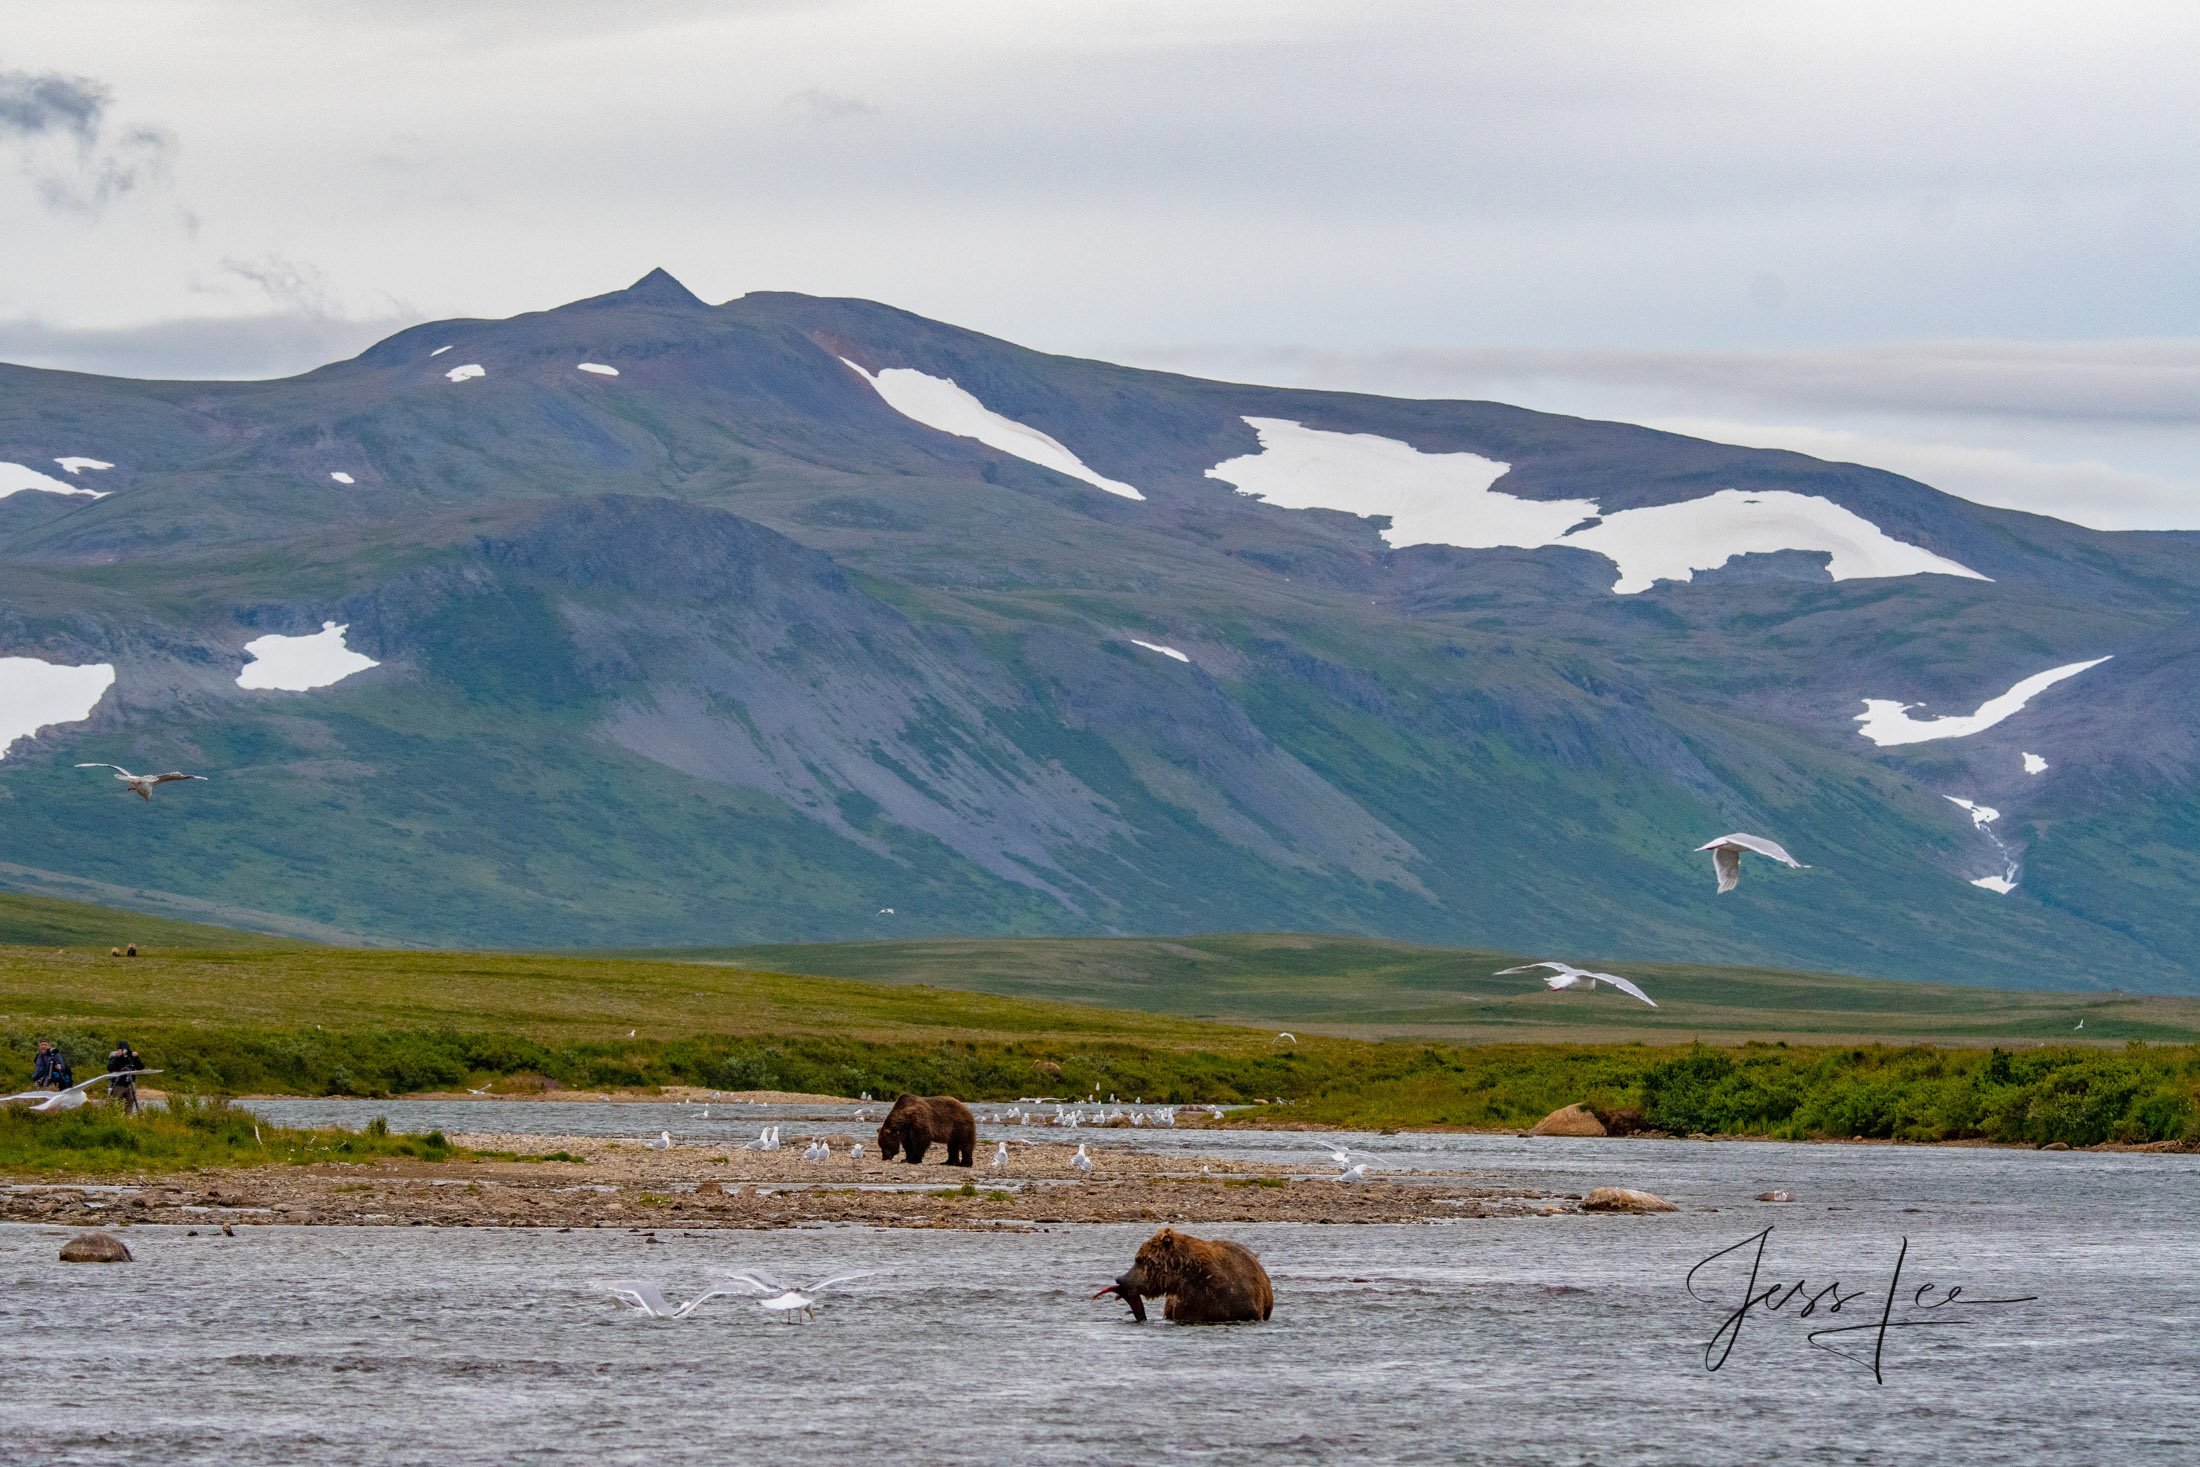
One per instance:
(1204,1282)
(917,1121)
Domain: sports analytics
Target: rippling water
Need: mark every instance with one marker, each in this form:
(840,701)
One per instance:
(1559,1340)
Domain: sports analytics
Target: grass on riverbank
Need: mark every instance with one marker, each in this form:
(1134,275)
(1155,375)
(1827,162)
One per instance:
(1917,1093)
(185,1133)
(1368,988)
(327,1021)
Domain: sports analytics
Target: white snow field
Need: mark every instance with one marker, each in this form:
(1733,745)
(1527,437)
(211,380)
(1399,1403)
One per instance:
(1981,815)
(34,693)
(1446,499)
(938,403)
(1157,647)
(439,351)
(343,478)
(599,369)
(77,465)
(15,478)
(467,372)
(2034,764)
(297,664)
(1887,722)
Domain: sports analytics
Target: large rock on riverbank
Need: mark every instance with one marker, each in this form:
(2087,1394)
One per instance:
(1569,1120)
(95,1248)
(1624,1199)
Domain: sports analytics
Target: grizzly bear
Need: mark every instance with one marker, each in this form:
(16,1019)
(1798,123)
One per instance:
(1205,1282)
(916,1121)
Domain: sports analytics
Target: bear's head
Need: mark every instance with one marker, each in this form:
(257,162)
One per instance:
(889,1141)
(1165,1263)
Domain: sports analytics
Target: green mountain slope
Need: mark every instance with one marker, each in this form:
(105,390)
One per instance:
(726,650)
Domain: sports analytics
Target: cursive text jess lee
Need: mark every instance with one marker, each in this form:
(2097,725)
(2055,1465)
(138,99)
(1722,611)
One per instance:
(1830,1299)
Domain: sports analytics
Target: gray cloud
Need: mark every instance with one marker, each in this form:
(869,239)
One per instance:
(296,287)
(822,106)
(2136,381)
(39,109)
(231,347)
(33,104)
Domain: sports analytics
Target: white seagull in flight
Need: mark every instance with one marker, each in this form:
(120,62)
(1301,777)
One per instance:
(142,783)
(779,1299)
(1566,975)
(1726,856)
(650,1300)
(74,1096)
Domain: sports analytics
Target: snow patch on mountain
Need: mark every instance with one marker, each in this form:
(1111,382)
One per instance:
(1157,647)
(78,465)
(938,403)
(1447,499)
(467,372)
(343,478)
(299,664)
(15,478)
(1431,498)
(598,368)
(2034,764)
(35,694)
(1888,722)
(1981,815)
(1983,818)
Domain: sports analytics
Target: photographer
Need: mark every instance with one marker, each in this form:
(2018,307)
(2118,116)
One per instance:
(123,1060)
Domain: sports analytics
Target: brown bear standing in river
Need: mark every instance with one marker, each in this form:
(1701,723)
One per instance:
(1206,1282)
(916,1121)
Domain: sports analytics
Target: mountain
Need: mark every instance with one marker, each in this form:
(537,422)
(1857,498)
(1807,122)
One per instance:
(643,621)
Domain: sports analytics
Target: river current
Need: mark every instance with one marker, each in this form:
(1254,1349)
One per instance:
(1562,1340)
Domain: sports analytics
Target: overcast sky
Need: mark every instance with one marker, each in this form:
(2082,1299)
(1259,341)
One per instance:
(1951,239)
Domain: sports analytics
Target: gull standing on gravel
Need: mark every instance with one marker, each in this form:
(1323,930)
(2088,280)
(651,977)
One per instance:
(142,783)
(662,1143)
(1566,975)
(1726,856)
(1081,1161)
(1000,1157)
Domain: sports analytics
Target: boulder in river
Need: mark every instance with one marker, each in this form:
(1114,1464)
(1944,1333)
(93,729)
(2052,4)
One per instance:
(1775,1196)
(1569,1120)
(95,1248)
(1624,1199)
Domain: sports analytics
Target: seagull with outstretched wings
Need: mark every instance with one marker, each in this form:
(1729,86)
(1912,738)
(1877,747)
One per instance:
(1566,975)
(142,783)
(1726,856)
(74,1096)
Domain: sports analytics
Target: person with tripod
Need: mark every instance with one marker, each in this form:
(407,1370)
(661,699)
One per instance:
(124,1062)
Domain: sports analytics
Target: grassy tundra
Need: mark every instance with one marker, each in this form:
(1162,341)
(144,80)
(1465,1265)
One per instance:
(383,1023)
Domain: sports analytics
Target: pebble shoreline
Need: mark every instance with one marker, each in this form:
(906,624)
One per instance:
(622,1184)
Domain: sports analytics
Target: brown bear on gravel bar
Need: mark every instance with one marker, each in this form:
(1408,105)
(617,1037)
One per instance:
(916,1121)
(1206,1282)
